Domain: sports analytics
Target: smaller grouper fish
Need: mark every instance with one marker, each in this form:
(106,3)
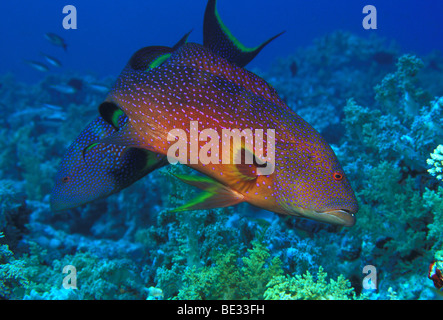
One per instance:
(78,183)
(82,179)
(195,85)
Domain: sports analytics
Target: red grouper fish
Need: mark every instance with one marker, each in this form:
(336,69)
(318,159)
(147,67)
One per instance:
(204,101)
(79,182)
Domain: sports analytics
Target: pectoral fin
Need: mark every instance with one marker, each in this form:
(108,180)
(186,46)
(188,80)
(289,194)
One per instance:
(214,194)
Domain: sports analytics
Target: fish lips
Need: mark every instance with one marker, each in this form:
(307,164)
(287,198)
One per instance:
(340,217)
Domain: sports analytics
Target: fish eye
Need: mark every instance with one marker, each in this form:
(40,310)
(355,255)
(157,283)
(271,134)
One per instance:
(66,179)
(337,176)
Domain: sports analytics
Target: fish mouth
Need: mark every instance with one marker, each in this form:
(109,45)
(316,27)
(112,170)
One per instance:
(340,217)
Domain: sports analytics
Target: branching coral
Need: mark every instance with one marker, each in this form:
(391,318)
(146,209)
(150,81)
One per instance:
(14,215)
(308,287)
(436,161)
(395,216)
(434,202)
(400,88)
(230,277)
(12,279)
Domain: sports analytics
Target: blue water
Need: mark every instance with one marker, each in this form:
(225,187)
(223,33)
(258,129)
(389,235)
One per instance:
(109,32)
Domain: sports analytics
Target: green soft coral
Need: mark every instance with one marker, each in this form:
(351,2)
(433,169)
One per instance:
(308,287)
(373,132)
(31,277)
(395,206)
(257,270)
(230,277)
(405,125)
(13,282)
(104,278)
(434,202)
(400,88)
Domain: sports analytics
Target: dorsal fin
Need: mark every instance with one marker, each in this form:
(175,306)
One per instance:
(142,59)
(111,114)
(182,41)
(218,38)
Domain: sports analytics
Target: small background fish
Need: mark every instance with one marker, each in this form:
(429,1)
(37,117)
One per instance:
(37,65)
(51,60)
(56,40)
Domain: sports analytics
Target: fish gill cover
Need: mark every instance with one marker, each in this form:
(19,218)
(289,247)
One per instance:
(90,210)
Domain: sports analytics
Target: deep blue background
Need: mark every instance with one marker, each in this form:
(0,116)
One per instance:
(110,31)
